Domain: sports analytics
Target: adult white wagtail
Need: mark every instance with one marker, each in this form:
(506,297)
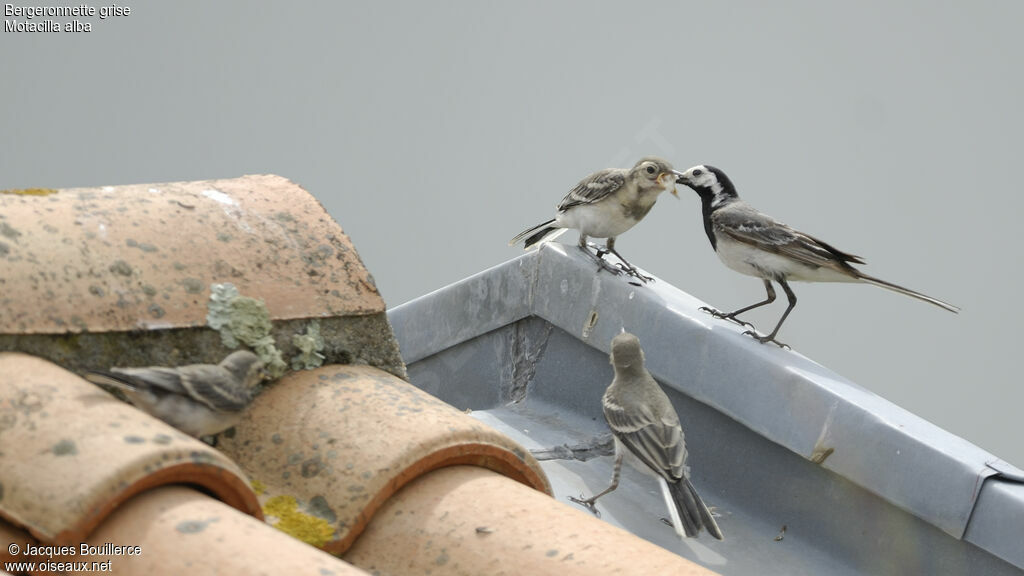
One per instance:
(647,433)
(606,204)
(756,244)
(200,399)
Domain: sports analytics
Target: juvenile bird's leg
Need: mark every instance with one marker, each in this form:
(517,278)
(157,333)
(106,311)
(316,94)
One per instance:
(792,304)
(609,246)
(732,315)
(595,247)
(602,264)
(589,502)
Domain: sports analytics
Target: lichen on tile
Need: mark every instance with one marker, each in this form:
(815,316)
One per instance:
(30,191)
(308,528)
(310,346)
(244,320)
(258,487)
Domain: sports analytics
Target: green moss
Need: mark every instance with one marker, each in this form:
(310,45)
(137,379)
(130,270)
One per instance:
(305,527)
(347,340)
(250,321)
(244,320)
(30,191)
(309,345)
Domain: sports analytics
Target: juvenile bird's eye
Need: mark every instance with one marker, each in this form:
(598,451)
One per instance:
(650,169)
(698,172)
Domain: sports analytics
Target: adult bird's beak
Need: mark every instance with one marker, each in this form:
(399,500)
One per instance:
(675,175)
(680,178)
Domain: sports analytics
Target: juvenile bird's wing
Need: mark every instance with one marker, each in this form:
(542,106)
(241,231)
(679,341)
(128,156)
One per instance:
(593,188)
(215,387)
(657,439)
(210,385)
(745,224)
(159,380)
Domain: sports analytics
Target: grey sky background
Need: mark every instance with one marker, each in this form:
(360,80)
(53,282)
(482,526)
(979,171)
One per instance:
(434,132)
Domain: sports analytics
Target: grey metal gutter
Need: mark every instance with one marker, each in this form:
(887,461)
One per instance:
(778,394)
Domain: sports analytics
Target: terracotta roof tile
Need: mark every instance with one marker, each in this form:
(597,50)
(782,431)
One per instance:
(466,520)
(144,256)
(181,531)
(72,453)
(183,273)
(326,448)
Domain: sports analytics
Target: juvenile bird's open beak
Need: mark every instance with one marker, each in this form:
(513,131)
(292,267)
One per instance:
(668,180)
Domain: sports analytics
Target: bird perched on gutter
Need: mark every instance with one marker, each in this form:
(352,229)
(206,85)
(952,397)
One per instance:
(647,433)
(606,204)
(199,399)
(757,245)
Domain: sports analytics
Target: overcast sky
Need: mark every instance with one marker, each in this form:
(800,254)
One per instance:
(435,131)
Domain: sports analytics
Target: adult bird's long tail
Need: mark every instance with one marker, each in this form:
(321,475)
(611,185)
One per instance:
(538,233)
(897,288)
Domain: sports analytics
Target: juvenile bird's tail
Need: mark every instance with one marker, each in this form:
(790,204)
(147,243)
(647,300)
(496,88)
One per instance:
(537,234)
(692,512)
(907,291)
(112,380)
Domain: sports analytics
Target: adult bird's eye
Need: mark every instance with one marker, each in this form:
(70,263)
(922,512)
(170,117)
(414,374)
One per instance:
(650,169)
(697,172)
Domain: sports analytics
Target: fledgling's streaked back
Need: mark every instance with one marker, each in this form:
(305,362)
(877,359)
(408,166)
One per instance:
(199,399)
(606,204)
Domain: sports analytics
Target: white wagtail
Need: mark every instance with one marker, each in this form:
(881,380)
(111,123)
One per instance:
(647,433)
(200,399)
(606,204)
(757,245)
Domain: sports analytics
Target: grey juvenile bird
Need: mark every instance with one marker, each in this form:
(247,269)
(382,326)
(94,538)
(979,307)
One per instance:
(200,399)
(606,204)
(647,433)
(757,245)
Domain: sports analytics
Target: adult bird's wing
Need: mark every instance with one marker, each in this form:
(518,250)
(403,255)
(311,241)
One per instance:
(594,188)
(656,439)
(744,224)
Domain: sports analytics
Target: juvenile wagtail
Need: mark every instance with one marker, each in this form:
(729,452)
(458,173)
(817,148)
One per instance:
(200,399)
(757,245)
(647,434)
(606,204)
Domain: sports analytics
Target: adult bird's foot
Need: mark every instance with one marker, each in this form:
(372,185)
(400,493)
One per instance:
(587,503)
(767,339)
(724,316)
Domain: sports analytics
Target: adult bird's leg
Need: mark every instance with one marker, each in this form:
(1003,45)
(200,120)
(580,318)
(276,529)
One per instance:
(602,264)
(589,502)
(771,337)
(732,315)
(609,246)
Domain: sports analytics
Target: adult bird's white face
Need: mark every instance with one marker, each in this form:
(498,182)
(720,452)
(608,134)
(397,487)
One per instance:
(699,177)
(707,183)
